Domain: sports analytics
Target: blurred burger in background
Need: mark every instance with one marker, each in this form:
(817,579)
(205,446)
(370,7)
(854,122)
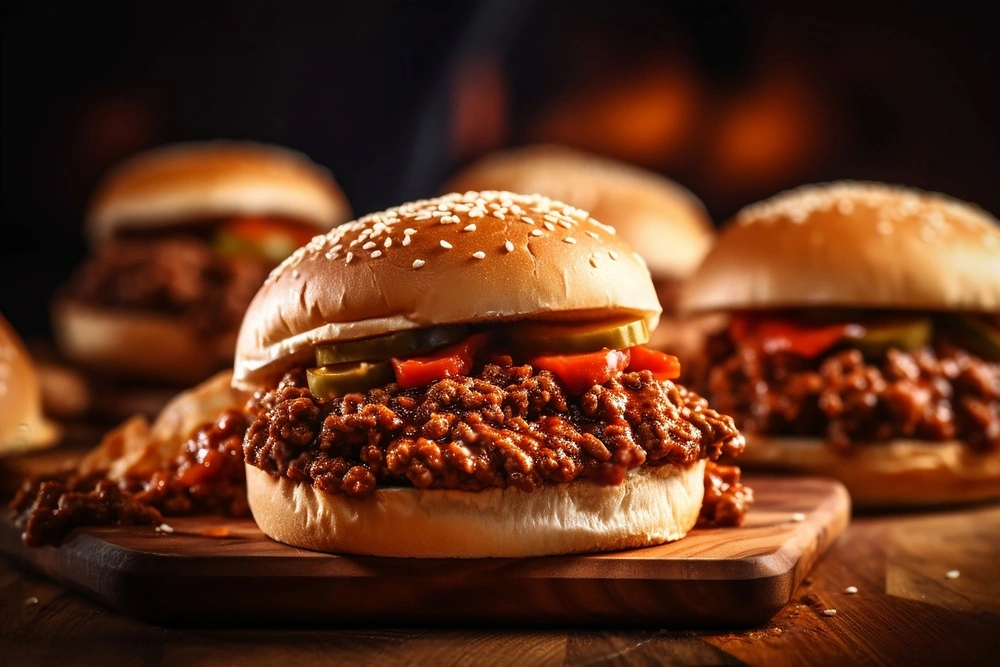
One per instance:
(182,236)
(665,222)
(864,340)
(22,426)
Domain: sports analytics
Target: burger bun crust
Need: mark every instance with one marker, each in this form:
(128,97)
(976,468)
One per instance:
(853,245)
(652,506)
(896,474)
(192,182)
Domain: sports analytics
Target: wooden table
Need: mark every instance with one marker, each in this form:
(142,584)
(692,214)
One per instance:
(906,611)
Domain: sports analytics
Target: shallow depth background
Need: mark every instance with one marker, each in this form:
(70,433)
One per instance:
(736,100)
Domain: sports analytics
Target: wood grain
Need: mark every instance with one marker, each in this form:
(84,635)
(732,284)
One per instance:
(211,568)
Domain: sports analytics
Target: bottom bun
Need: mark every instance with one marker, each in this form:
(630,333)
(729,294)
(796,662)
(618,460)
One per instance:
(899,473)
(139,345)
(652,506)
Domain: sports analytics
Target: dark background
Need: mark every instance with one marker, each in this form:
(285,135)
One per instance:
(735,100)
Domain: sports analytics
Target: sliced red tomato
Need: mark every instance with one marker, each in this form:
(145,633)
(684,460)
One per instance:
(580,372)
(786,336)
(447,362)
(663,366)
(256,229)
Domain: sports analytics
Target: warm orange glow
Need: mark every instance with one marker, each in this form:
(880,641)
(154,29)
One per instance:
(478,109)
(646,117)
(768,133)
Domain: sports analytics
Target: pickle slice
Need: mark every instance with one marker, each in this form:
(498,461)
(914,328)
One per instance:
(399,344)
(542,337)
(976,335)
(875,340)
(341,379)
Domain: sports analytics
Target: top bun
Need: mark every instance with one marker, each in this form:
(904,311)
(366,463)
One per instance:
(854,245)
(473,257)
(664,220)
(21,423)
(194,181)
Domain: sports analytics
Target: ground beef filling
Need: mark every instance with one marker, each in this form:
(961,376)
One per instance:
(505,426)
(933,393)
(207,477)
(726,500)
(175,275)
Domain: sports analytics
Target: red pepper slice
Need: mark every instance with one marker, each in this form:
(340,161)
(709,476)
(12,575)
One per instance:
(785,336)
(580,372)
(447,362)
(663,366)
(258,229)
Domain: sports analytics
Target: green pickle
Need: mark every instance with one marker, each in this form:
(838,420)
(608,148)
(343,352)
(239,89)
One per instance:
(564,338)
(401,344)
(876,339)
(976,335)
(340,379)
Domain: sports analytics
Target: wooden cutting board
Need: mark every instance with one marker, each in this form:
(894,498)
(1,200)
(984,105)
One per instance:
(226,571)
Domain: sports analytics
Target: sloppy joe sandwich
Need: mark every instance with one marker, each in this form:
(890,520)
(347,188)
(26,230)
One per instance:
(182,236)
(864,341)
(467,376)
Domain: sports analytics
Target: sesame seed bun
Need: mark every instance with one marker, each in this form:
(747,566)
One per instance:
(651,506)
(895,474)
(193,182)
(857,245)
(473,257)
(22,425)
(662,219)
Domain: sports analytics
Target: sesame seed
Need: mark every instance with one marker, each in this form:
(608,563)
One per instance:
(850,590)
(332,255)
(592,234)
(406,240)
(409,230)
(528,221)
(549,226)
(337,248)
(295,273)
(479,254)
(368,246)
(350,256)
(30,601)
(477,213)
(829,612)
(355,242)
(498,214)
(388,242)
(377,253)
(798,517)
(569,239)
(613,255)
(164,528)
(417,263)
(953,574)
(445,245)
(469,228)
(509,246)
(593,262)
(536,232)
